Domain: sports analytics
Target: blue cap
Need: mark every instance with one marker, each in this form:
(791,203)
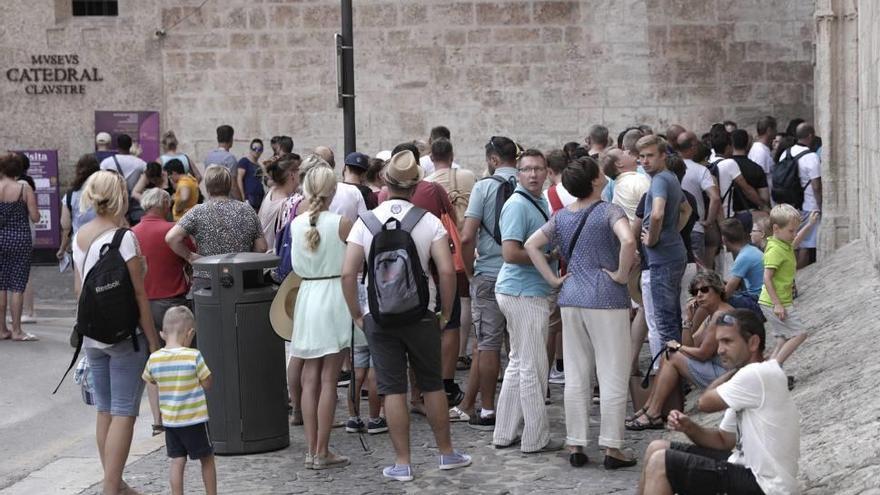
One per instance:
(358,160)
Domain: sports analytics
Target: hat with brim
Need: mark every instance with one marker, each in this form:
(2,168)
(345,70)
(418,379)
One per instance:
(634,285)
(403,170)
(281,311)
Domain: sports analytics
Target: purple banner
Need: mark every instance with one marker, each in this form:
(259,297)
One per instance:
(143,127)
(44,171)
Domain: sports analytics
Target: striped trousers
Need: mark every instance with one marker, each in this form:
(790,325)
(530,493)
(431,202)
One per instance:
(525,379)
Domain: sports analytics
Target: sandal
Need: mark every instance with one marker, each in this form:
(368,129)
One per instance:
(636,414)
(157,429)
(654,423)
(463,363)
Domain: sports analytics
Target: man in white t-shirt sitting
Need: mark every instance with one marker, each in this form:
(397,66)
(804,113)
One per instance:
(810,172)
(415,346)
(756,447)
(130,166)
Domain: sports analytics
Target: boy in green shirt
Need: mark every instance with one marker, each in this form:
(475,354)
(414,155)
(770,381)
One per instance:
(780,264)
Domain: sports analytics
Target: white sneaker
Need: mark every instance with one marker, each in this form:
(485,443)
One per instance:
(557,377)
(456,414)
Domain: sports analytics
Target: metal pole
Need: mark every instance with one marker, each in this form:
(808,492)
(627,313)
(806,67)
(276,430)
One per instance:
(347,95)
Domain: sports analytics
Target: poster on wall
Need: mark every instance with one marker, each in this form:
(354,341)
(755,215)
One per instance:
(44,171)
(143,127)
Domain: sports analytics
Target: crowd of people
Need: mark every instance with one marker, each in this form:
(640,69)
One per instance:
(548,267)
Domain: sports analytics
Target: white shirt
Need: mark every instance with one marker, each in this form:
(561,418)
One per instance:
(132,168)
(697,179)
(428,164)
(728,171)
(428,230)
(761,155)
(629,187)
(809,168)
(565,197)
(767,423)
(128,248)
(348,201)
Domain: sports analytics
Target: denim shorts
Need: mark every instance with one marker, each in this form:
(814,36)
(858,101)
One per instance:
(362,357)
(116,376)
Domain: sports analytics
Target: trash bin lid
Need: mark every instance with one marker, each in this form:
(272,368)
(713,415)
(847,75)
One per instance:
(243,260)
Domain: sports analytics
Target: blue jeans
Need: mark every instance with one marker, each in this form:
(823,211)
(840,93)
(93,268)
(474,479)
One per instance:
(116,376)
(666,294)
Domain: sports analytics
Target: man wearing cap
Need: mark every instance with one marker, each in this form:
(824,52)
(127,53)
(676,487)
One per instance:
(356,165)
(102,146)
(417,344)
(479,234)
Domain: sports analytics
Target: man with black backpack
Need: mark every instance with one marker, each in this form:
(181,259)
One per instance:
(482,231)
(797,180)
(398,240)
(130,168)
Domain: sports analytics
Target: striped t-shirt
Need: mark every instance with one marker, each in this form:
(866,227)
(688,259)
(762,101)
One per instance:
(177,372)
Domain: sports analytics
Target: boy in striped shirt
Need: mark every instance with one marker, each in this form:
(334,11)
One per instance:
(183,377)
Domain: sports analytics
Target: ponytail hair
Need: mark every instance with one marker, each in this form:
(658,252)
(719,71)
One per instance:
(319,186)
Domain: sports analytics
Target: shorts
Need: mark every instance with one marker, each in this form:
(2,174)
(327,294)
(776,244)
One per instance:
(462,285)
(454,322)
(812,239)
(362,357)
(555,314)
(789,328)
(116,376)
(705,372)
(703,471)
(417,345)
(489,322)
(192,441)
(158,307)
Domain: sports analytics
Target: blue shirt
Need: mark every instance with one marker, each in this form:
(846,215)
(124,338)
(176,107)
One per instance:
(481,206)
(670,247)
(749,266)
(519,220)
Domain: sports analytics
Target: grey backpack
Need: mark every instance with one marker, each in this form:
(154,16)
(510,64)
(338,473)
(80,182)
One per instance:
(398,289)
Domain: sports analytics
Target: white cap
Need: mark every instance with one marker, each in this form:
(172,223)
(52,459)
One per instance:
(103,138)
(384,155)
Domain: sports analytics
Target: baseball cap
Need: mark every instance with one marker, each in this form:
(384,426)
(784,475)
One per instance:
(103,138)
(358,160)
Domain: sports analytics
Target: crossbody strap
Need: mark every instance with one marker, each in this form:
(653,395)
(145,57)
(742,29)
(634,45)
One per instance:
(577,233)
(534,203)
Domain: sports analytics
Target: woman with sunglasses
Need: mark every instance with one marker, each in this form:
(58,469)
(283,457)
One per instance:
(250,175)
(699,363)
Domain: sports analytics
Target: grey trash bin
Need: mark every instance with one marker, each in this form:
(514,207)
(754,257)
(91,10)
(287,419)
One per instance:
(247,403)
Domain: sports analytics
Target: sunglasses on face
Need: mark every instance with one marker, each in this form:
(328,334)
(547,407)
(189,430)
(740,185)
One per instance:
(257,149)
(702,290)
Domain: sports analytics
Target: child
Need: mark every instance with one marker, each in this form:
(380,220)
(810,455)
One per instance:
(779,268)
(182,378)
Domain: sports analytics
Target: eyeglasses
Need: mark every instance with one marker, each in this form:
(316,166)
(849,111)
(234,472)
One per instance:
(702,290)
(258,149)
(530,170)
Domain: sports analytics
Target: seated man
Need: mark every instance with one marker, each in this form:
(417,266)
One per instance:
(698,363)
(755,450)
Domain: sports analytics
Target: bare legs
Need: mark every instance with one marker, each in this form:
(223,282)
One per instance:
(15,307)
(362,375)
(653,480)
(490,363)
(294,387)
(398,423)
(319,377)
(113,434)
(209,474)
(784,347)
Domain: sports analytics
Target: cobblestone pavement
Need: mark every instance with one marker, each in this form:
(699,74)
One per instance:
(493,471)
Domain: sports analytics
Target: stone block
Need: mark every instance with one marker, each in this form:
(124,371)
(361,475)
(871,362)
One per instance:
(514,35)
(452,14)
(256,18)
(556,12)
(795,72)
(175,61)
(202,61)
(239,41)
(479,36)
(381,15)
(503,13)
(284,17)
(321,16)
(551,35)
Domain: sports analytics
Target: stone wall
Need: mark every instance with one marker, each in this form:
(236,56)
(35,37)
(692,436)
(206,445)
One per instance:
(539,71)
(869,126)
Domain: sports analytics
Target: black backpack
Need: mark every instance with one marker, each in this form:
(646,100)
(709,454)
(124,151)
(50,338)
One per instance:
(107,310)
(398,290)
(787,180)
(502,194)
(713,169)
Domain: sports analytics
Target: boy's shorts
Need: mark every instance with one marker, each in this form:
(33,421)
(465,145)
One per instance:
(362,357)
(791,327)
(192,440)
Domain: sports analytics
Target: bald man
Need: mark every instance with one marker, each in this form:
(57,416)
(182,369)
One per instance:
(327,154)
(672,134)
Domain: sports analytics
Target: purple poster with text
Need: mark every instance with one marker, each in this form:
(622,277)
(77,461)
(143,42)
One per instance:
(44,171)
(143,127)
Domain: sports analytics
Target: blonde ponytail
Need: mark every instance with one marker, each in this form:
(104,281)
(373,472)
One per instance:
(319,186)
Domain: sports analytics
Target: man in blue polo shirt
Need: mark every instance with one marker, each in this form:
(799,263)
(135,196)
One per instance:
(480,233)
(522,293)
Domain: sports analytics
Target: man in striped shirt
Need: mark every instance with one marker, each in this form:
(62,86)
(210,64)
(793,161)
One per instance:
(182,377)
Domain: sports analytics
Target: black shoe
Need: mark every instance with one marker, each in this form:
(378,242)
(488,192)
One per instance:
(578,459)
(344,378)
(615,463)
(791,382)
(478,422)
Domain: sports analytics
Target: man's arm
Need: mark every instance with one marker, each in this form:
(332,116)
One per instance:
(260,245)
(733,283)
(684,214)
(354,261)
(513,252)
(442,257)
(714,205)
(469,244)
(180,205)
(658,207)
(817,191)
(710,401)
(239,180)
(712,438)
(764,193)
(805,230)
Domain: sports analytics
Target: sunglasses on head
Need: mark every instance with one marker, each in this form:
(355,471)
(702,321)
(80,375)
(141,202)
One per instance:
(727,319)
(497,150)
(702,290)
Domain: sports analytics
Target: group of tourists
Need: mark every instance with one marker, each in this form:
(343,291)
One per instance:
(413,267)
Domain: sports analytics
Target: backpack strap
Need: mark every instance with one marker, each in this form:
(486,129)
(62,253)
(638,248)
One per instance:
(371,221)
(79,343)
(577,233)
(555,200)
(68,200)
(412,218)
(798,157)
(534,203)
(118,168)
(117,238)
